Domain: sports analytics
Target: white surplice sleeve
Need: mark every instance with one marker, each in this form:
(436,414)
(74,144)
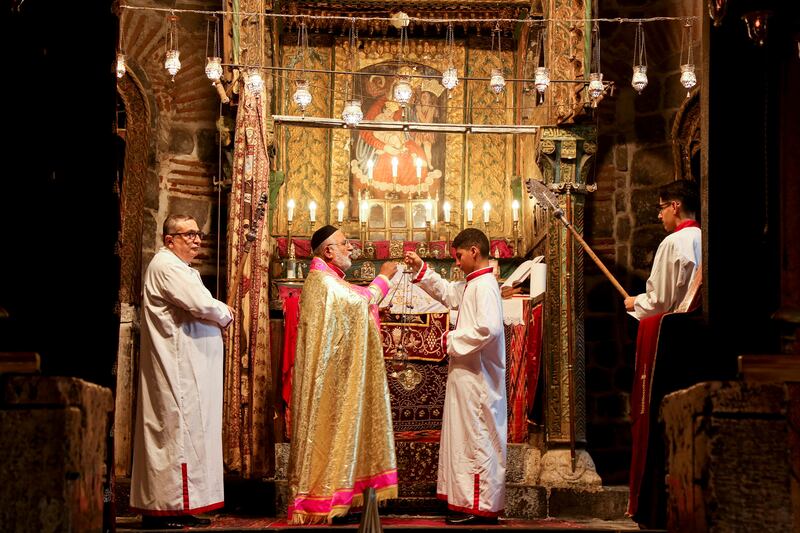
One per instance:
(183,287)
(448,293)
(671,272)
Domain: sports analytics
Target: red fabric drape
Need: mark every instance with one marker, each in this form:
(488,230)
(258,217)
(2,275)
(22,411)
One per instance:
(646,345)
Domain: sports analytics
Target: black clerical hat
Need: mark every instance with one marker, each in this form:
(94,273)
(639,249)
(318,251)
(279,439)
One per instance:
(321,234)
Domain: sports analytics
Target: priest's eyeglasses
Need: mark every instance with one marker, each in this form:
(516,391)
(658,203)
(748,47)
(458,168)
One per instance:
(191,235)
(344,243)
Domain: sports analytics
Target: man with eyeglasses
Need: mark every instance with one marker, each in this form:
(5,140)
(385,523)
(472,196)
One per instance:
(674,266)
(342,439)
(177,452)
(678,256)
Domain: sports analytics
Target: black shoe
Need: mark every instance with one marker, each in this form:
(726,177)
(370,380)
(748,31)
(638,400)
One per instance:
(349,518)
(470,520)
(195,521)
(162,522)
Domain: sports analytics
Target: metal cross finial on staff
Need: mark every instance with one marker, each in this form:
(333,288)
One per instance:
(546,198)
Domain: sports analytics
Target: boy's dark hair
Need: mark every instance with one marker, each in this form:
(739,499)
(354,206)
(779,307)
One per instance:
(683,191)
(472,237)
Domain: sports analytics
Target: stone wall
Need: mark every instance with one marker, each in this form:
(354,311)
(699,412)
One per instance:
(182,162)
(634,159)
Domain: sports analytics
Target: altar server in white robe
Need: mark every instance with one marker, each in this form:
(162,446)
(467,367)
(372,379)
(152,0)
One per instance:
(472,453)
(177,453)
(678,256)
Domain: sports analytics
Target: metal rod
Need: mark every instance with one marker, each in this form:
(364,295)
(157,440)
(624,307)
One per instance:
(373,125)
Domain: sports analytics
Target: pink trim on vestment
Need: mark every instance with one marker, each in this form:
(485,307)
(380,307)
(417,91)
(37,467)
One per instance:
(342,497)
(333,270)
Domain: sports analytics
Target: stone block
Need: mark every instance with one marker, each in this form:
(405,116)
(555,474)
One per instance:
(652,166)
(281,497)
(525,501)
(644,206)
(523,463)
(53,435)
(728,465)
(645,242)
(186,206)
(623,228)
(151,188)
(650,128)
(610,503)
(281,460)
(181,141)
(207,145)
(621,157)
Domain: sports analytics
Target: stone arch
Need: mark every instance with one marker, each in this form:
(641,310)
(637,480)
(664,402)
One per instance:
(135,179)
(686,139)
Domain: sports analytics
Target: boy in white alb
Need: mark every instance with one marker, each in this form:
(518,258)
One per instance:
(472,452)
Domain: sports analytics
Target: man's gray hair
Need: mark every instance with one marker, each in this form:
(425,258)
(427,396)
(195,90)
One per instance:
(171,224)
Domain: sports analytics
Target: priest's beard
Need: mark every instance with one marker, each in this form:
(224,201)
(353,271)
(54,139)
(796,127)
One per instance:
(341,260)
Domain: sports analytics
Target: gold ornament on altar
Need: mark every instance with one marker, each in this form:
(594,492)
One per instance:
(367,270)
(422,249)
(369,250)
(409,378)
(395,249)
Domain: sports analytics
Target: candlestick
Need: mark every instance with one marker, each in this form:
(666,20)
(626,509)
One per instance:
(340,212)
(290,210)
(487,207)
(446,209)
(428,211)
(312,211)
(370,167)
(395,162)
(515,211)
(470,207)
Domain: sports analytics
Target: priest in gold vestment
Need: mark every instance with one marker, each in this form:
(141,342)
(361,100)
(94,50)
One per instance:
(342,440)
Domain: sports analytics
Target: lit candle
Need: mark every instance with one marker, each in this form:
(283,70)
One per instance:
(418,162)
(395,162)
(446,208)
(290,212)
(362,213)
(486,209)
(428,211)
(515,210)
(370,166)
(340,211)
(312,211)
(470,207)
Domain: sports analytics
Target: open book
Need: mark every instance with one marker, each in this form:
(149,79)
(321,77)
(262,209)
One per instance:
(522,273)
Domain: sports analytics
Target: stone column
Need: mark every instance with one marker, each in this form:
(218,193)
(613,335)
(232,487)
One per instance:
(563,157)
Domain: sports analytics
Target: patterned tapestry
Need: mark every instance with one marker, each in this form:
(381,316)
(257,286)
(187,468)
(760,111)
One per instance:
(247,442)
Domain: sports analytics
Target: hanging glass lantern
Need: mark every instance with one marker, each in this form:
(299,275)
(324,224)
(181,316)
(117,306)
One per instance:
(595,85)
(541,79)
(688,77)
(214,68)
(172,62)
(255,83)
(450,78)
(120,65)
(403,90)
(352,113)
(301,96)
(497,81)
(639,79)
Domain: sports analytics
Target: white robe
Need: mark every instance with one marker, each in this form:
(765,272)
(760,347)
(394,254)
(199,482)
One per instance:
(177,452)
(677,258)
(472,453)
